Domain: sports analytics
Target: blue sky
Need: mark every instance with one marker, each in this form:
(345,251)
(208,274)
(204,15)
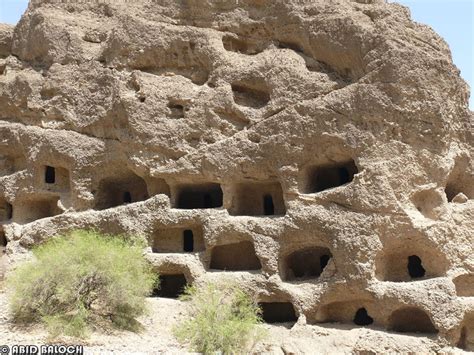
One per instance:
(452,19)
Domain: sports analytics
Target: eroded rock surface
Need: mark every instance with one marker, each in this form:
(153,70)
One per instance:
(319,152)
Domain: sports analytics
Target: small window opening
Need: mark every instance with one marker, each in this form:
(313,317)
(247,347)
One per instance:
(362,317)
(188,241)
(415,267)
(170,286)
(127,197)
(278,312)
(50,175)
(268,207)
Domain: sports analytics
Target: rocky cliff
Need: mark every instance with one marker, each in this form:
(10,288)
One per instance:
(319,152)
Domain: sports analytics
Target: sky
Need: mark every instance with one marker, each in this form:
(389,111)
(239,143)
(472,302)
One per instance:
(452,19)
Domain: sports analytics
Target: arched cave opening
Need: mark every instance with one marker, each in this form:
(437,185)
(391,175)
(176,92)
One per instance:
(170,286)
(117,191)
(408,260)
(411,320)
(239,256)
(320,178)
(258,199)
(199,196)
(306,263)
(178,239)
(362,318)
(278,312)
(346,312)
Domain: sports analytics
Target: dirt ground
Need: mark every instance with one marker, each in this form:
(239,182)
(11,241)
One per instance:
(163,313)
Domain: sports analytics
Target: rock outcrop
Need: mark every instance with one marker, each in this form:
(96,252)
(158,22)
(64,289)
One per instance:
(320,152)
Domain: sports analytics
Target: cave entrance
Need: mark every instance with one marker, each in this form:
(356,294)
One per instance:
(415,267)
(278,312)
(199,196)
(306,263)
(411,320)
(320,178)
(178,240)
(171,286)
(257,199)
(362,317)
(235,257)
(117,191)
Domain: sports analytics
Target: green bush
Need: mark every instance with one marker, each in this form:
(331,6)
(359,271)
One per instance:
(223,318)
(81,281)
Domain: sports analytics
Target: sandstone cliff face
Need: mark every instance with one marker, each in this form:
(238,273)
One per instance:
(319,151)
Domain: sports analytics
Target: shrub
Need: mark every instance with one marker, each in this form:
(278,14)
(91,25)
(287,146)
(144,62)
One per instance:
(82,280)
(223,319)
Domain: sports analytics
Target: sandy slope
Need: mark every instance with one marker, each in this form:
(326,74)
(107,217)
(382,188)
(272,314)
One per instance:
(164,313)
